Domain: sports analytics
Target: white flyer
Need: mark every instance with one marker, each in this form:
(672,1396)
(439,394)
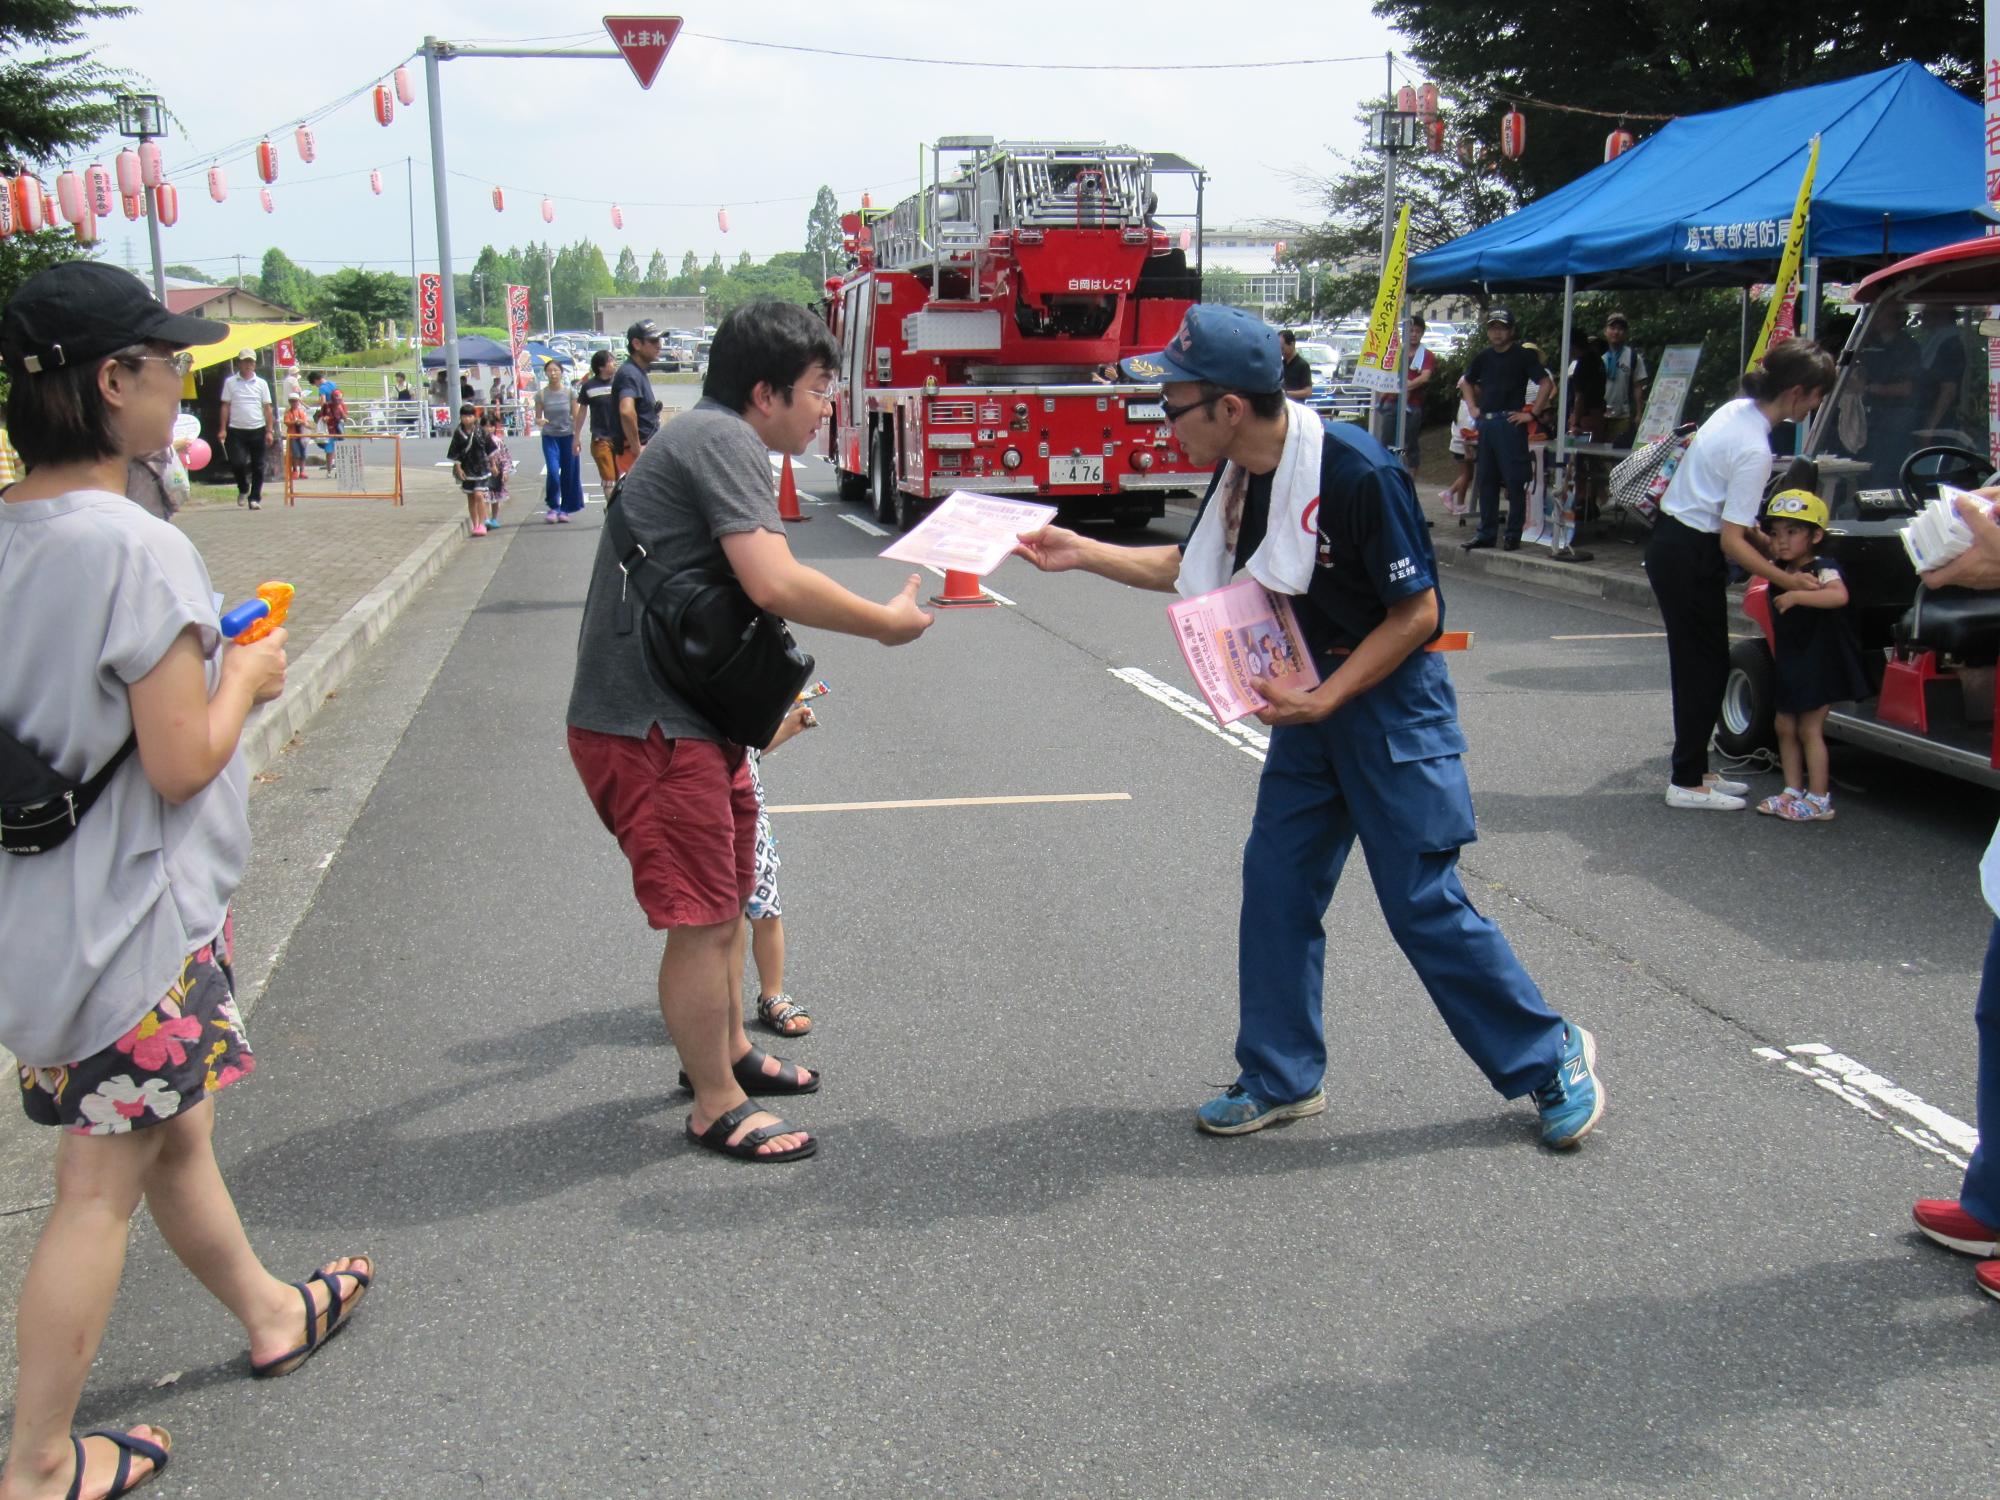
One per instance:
(969,532)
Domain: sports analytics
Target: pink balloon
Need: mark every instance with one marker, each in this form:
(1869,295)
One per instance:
(197,456)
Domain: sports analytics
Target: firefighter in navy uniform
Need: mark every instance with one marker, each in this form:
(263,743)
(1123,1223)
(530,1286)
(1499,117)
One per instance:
(1373,753)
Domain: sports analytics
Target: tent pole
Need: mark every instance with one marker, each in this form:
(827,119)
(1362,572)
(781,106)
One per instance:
(1743,329)
(1563,456)
(1809,324)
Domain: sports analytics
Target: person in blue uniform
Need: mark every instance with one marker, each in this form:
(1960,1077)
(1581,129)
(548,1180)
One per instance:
(1371,754)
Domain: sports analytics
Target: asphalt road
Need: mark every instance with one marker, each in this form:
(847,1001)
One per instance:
(1015,1268)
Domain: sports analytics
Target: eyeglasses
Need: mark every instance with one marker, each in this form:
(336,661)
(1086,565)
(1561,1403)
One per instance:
(1175,413)
(826,393)
(180,363)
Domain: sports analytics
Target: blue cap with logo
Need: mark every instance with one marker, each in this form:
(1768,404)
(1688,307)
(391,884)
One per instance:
(1225,346)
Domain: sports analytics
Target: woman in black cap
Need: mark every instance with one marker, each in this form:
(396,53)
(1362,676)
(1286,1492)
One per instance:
(118,1000)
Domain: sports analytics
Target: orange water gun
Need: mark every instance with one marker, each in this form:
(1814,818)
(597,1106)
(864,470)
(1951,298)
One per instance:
(256,618)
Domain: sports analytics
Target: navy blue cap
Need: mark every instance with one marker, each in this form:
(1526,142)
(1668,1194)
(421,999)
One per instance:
(1225,346)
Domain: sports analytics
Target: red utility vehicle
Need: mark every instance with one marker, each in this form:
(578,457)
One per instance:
(978,315)
(1910,410)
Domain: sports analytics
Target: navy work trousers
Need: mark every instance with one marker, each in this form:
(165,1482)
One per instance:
(1503,459)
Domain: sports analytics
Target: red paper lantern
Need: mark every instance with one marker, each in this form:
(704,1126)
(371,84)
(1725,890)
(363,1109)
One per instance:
(1434,134)
(1427,101)
(1406,99)
(264,197)
(86,227)
(167,203)
(267,161)
(1513,134)
(867,200)
(1618,143)
(69,194)
(499,201)
(127,164)
(722,219)
(6,214)
(134,205)
(303,136)
(617,217)
(97,191)
(27,194)
(218,184)
(406,91)
(385,104)
(152,171)
(48,210)
(548,211)
(375,182)
(1187,240)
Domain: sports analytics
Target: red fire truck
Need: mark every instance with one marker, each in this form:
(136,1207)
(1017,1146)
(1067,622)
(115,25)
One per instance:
(978,314)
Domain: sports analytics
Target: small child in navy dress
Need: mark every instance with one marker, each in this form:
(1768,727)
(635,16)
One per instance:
(1818,655)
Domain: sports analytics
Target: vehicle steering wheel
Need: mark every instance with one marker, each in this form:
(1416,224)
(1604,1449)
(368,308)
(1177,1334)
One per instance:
(1942,463)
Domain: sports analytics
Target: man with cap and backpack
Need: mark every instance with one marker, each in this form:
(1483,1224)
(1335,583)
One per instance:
(1323,513)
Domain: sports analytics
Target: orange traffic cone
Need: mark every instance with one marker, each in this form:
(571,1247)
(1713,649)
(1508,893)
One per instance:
(962,591)
(788,495)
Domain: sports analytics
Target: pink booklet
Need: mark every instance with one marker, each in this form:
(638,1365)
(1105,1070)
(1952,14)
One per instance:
(1232,634)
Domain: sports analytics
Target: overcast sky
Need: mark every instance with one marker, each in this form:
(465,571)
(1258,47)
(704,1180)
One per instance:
(753,129)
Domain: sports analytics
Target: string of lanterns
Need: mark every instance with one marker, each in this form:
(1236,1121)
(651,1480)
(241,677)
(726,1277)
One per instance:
(1423,103)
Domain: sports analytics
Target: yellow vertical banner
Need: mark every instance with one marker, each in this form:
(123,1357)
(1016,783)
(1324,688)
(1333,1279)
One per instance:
(1376,367)
(1788,264)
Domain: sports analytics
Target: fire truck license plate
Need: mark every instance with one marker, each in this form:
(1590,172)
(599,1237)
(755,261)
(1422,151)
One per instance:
(1076,471)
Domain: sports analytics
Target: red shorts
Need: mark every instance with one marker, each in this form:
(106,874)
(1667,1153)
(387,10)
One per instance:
(684,813)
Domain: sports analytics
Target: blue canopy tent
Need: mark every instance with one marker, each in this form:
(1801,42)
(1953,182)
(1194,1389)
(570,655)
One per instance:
(473,349)
(1706,200)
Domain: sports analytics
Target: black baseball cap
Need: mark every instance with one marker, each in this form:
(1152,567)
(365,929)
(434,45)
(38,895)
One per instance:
(83,310)
(645,328)
(1501,316)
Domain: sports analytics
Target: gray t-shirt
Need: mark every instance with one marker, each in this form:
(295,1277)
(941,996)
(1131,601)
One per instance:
(706,476)
(93,591)
(556,406)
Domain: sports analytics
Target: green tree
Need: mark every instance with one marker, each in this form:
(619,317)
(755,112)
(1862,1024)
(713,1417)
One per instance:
(281,281)
(714,267)
(192,273)
(626,273)
(374,297)
(658,274)
(580,277)
(346,329)
(1661,57)
(689,265)
(823,234)
(52,102)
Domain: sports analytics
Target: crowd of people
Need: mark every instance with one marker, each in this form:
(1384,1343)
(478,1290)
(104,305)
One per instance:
(125,1033)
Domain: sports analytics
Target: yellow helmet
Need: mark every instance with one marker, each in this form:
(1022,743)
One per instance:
(1796,505)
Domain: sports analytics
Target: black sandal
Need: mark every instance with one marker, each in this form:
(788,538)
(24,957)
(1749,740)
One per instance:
(750,1076)
(338,1311)
(129,1447)
(779,1011)
(716,1137)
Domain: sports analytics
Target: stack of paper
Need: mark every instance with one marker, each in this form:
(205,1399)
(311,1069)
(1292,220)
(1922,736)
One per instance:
(1937,535)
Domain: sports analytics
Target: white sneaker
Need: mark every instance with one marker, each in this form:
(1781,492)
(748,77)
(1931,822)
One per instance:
(1724,785)
(1707,797)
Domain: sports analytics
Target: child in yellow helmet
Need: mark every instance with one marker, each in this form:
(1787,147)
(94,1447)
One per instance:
(1818,655)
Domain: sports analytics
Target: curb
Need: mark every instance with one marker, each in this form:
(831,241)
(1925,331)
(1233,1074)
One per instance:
(1571,580)
(324,667)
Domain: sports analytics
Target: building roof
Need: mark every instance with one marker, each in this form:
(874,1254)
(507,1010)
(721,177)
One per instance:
(187,299)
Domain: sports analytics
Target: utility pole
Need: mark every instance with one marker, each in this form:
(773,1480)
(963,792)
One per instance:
(549,288)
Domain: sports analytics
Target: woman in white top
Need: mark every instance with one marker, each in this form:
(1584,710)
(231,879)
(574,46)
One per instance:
(117,996)
(1708,518)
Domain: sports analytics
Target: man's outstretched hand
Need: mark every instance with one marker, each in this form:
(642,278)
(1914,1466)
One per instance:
(906,621)
(1051,549)
(1979,566)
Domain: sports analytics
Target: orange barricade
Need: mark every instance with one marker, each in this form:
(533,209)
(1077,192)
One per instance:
(348,467)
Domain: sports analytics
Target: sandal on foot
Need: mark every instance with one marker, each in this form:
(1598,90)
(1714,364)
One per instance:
(781,1012)
(336,1313)
(129,1447)
(716,1137)
(750,1076)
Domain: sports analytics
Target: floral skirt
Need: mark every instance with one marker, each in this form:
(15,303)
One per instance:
(185,1048)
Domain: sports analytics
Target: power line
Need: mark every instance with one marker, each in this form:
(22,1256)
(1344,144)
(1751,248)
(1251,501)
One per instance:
(1033,67)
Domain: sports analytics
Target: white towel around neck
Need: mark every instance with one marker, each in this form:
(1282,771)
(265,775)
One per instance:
(1283,561)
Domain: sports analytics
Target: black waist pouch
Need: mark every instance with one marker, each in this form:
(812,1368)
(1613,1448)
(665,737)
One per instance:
(39,808)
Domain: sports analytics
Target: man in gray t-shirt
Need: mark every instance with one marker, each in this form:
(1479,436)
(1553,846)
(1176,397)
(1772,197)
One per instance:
(673,792)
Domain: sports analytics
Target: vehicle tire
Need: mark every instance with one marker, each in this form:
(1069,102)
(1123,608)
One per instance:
(853,487)
(1745,724)
(1131,520)
(882,480)
(909,509)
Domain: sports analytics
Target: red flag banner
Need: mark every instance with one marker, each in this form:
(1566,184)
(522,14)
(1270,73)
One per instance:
(517,332)
(430,310)
(644,41)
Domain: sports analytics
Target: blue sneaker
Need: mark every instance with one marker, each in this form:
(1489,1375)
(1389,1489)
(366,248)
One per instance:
(1572,1102)
(1237,1111)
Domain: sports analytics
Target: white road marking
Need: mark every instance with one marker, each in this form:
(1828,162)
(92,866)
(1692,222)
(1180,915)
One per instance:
(1628,635)
(819,807)
(860,525)
(1252,742)
(1868,1091)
